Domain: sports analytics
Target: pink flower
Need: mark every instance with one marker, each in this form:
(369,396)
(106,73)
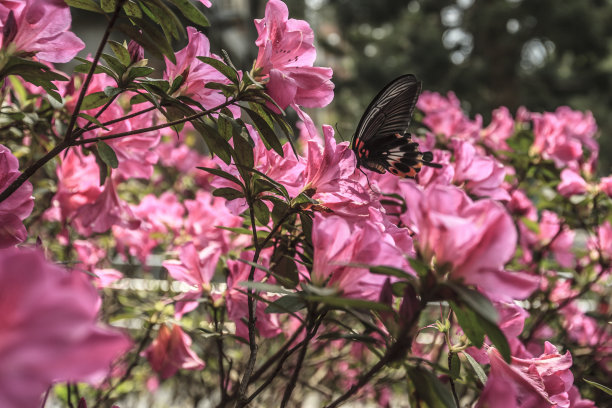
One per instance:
(171,351)
(78,184)
(541,382)
(196,74)
(105,212)
(17,206)
(328,164)
(605,185)
(561,135)
(267,324)
(557,237)
(48,329)
(603,241)
(285,59)
(444,116)
(476,239)
(195,267)
(39,27)
(339,243)
(483,175)
(159,217)
(571,183)
(499,130)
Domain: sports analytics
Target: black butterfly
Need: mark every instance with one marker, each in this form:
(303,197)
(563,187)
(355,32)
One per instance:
(382,141)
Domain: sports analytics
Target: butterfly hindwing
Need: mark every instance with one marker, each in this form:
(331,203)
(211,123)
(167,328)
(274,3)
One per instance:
(381,142)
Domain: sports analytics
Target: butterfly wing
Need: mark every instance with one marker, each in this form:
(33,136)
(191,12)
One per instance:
(381,142)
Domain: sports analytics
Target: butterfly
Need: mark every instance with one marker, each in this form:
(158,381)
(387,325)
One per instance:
(381,141)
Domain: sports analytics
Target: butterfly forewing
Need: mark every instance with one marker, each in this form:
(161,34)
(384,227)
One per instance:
(391,110)
(381,141)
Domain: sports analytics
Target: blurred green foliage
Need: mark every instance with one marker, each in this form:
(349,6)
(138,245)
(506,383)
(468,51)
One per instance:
(540,54)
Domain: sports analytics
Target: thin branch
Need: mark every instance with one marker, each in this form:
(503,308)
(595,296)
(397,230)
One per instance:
(92,69)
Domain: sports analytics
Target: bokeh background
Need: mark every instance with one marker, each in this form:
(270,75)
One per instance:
(540,54)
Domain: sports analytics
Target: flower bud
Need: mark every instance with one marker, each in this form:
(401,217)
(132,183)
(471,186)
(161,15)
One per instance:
(136,51)
(10,29)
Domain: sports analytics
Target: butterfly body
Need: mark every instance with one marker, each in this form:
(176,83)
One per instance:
(381,142)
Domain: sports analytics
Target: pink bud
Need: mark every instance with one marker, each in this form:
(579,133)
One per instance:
(136,51)
(10,29)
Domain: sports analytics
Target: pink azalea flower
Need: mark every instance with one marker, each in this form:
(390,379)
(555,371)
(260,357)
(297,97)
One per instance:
(90,255)
(285,59)
(499,130)
(159,217)
(603,241)
(561,135)
(571,183)
(328,164)
(541,382)
(49,330)
(171,351)
(605,185)
(339,243)
(443,115)
(475,238)
(204,214)
(562,241)
(483,175)
(576,400)
(78,184)
(195,267)
(267,324)
(196,74)
(39,27)
(105,212)
(206,3)
(17,206)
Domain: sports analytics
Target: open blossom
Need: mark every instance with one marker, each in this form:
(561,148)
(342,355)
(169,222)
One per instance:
(196,74)
(17,206)
(475,238)
(267,324)
(499,130)
(542,382)
(338,243)
(571,183)
(39,27)
(561,136)
(48,329)
(443,115)
(482,175)
(285,59)
(171,351)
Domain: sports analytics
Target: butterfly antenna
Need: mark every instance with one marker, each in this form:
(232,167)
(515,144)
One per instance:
(367,179)
(338,132)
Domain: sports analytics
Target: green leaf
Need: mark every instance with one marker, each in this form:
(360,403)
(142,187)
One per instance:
(108,5)
(265,131)
(163,15)
(220,66)
(107,154)
(601,387)
(429,389)
(243,152)
(148,35)
(92,120)
(419,267)
(191,12)
(216,144)
(121,52)
(223,174)
(132,9)
(455,366)
(94,100)
(86,66)
(114,64)
(102,168)
(362,338)
(477,368)
(262,213)
(265,287)
(88,5)
(228,193)
(475,301)
(287,304)
(498,339)
(243,231)
(390,271)
(343,303)
(468,320)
